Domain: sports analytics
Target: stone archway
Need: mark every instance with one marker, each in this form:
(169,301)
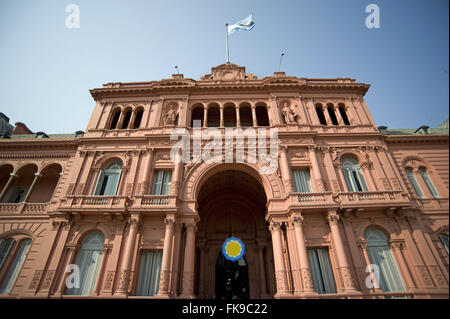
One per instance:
(232,201)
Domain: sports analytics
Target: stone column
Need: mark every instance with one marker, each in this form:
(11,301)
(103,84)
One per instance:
(330,169)
(33,185)
(132,118)
(189,260)
(145,175)
(397,248)
(262,272)
(255,119)
(343,265)
(221,116)
(238,117)
(8,184)
(205,117)
(305,269)
(280,267)
(163,290)
(371,274)
(175,185)
(70,253)
(366,168)
(319,182)
(327,115)
(101,271)
(285,170)
(125,272)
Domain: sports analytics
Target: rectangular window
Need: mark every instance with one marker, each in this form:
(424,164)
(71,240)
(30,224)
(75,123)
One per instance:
(429,183)
(322,274)
(149,272)
(161,182)
(414,183)
(302,180)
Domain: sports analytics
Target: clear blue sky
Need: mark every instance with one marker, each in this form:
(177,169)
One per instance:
(46,69)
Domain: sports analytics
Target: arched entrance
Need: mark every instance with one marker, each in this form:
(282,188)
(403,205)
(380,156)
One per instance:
(231,279)
(233,203)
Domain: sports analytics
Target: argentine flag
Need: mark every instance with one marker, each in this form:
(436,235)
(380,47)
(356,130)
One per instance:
(246,24)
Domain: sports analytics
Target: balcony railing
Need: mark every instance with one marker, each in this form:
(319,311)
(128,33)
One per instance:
(433,203)
(154,200)
(312,200)
(377,198)
(22,208)
(94,201)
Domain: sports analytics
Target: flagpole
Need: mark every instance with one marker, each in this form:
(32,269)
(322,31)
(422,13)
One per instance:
(228,51)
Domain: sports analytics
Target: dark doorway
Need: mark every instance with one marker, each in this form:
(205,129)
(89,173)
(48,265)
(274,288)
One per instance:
(231,279)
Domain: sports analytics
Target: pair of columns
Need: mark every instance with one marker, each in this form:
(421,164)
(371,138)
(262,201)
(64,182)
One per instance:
(319,182)
(238,116)
(187,290)
(37,176)
(164,290)
(343,264)
(337,115)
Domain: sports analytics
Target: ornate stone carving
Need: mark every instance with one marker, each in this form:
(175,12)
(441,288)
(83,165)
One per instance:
(425,275)
(109,280)
(171,115)
(438,276)
(345,275)
(36,277)
(307,279)
(290,116)
(48,279)
(125,279)
(281,279)
(333,219)
(164,281)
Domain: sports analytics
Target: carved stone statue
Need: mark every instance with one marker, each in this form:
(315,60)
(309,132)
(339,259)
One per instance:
(171,116)
(288,114)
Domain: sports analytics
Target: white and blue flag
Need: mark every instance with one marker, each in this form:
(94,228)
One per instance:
(246,24)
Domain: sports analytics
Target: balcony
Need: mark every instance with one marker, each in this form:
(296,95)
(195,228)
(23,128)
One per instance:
(312,200)
(23,208)
(92,202)
(377,199)
(154,202)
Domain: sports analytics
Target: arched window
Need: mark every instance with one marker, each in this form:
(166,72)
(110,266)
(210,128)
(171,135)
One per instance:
(214,116)
(5,248)
(442,237)
(126,119)
(415,184)
(380,254)
(320,115)
(88,262)
(426,177)
(262,117)
(344,115)
(229,115)
(138,119)
(108,179)
(149,273)
(245,115)
(16,266)
(353,176)
(197,115)
(332,114)
(115,120)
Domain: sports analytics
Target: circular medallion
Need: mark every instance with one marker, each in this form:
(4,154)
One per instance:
(233,249)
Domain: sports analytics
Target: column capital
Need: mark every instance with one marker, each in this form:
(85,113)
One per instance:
(191,227)
(170,223)
(274,226)
(297,220)
(333,219)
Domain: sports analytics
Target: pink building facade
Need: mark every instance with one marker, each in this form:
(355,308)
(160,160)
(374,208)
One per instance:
(349,205)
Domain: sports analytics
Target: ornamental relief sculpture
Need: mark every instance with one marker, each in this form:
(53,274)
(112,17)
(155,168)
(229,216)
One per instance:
(289,113)
(171,115)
